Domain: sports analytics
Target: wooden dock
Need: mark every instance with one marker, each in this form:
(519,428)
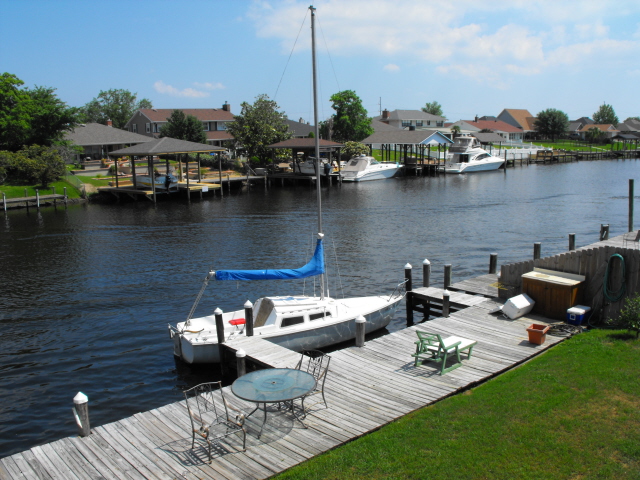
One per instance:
(35,200)
(366,388)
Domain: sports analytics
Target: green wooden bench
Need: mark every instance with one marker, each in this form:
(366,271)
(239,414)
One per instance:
(431,347)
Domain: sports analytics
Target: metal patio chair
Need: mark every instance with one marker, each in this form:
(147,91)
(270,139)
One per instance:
(209,422)
(316,363)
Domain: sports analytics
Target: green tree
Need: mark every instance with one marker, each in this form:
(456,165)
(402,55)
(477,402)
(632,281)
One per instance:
(32,165)
(354,149)
(552,123)
(455,131)
(184,127)
(594,134)
(117,105)
(605,115)
(15,121)
(50,117)
(350,122)
(259,125)
(434,108)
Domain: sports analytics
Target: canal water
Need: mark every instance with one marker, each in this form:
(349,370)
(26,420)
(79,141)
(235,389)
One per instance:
(88,291)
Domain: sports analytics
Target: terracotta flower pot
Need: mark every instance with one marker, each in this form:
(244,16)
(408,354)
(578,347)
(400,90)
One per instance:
(537,333)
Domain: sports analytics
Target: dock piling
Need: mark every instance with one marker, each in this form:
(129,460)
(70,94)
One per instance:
(360,328)
(81,414)
(493,262)
(537,247)
(241,357)
(604,231)
(572,241)
(4,201)
(248,318)
(631,197)
(446,297)
(408,299)
(447,276)
(426,273)
(219,325)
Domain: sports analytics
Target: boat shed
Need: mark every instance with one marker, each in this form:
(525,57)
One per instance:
(99,140)
(163,146)
(410,143)
(308,147)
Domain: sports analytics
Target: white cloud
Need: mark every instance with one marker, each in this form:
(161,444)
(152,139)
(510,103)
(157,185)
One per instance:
(162,87)
(391,67)
(209,85)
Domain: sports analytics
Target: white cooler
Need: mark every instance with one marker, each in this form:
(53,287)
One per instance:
(518,306)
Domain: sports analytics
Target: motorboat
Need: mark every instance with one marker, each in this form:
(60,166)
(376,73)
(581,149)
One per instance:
(363,168)
(167,182)
(308,166)
(298,322)
(466,155)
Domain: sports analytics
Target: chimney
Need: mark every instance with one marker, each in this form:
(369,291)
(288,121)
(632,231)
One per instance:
(226,107)
(301,120)
(109,123)
(476,120)
(385,114)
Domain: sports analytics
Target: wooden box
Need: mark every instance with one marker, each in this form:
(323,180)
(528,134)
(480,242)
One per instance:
(553,292)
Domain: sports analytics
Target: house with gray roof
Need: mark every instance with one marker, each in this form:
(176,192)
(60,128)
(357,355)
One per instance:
(299,129)
(98,140)
(149,121)
(410,119)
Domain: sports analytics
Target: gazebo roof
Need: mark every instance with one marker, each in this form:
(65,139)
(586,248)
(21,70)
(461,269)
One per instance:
(166,146)
(305,143)
(405,137)
(488,137)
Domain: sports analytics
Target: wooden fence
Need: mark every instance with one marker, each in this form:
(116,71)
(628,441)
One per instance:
(593,263)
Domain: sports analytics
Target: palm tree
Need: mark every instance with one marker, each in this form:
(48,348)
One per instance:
(455,130)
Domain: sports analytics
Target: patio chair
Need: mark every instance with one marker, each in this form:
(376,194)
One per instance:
(317,364)
(210,422)
(431,347)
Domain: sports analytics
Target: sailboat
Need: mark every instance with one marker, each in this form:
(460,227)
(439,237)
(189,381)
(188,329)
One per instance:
(297,322)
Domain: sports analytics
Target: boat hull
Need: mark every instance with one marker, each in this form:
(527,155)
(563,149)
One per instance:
(379,174)
(202,347)
(482,166)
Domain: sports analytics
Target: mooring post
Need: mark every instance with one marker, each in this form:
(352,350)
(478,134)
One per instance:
(241,357)
(426,273)
(248,318)
(447,275)
(572,241)
(65,196)
(53,192)
(493,262)
(537,247)
(445,303)
(360,327)
(26,202)
(4,201)
(219,326)
(409,296)
(81,414)
(604,231)
(631,197)
(38,198)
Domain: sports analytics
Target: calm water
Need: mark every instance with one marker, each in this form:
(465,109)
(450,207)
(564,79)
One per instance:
(87,292)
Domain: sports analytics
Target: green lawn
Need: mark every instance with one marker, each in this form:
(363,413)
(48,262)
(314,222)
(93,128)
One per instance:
(15,191)
(573,412)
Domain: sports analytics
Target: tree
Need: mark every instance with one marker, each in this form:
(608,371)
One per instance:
(184,127)
(14,113)
(350,122)
(605,115)
(258,126)
(354,149)
(117,105)
(455,130)
(32,165)
(552,123)
(594,134)
(434,108)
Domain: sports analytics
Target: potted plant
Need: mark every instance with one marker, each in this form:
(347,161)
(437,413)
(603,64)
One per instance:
(537,333)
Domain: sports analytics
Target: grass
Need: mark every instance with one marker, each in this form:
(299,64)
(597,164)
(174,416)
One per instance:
(16,191)
(573,412)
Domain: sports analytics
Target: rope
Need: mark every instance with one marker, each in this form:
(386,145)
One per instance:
(607,288)
(564,330)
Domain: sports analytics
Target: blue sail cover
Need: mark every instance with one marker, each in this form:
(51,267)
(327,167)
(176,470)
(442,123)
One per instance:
(314,267)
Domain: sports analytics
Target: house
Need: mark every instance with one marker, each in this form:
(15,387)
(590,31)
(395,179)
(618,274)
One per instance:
(410,119)
(506,131)
(608,130)
(519,118)
(98,140)
(149,121)
(299,129)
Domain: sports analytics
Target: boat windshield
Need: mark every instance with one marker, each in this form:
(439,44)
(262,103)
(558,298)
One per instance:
(356,165)
(265,309)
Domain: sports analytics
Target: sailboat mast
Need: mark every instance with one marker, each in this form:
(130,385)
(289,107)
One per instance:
(316,130)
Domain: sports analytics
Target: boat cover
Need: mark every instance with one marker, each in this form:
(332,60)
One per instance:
(314,267)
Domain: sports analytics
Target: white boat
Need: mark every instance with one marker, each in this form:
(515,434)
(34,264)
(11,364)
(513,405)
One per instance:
(163,182)
(363,168)
(308,166)
(467,155)
(296,322)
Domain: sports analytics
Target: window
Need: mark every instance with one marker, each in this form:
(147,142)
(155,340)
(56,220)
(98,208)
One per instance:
(205,125)
(428,122)
(156,128)
(439,124)
(316,316)
(406,123)
(134,127)
(419,123)
(148,127)
(288,322)
(222,125)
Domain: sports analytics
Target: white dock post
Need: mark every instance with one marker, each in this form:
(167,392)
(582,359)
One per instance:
(360,324)
(81,413)
(426,273)
(241,356)
(445,303)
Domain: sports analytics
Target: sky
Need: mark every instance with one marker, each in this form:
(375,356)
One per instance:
(474,57)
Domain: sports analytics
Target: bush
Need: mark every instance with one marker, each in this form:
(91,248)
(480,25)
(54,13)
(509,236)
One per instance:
(630,314)
(32,165)
(354,149)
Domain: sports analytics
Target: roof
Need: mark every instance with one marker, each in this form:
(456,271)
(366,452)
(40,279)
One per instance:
(522,117)
(488,137)
(605,128)
(407,137)
(411,115)
(299,129)
(98,134)
(166,146)
(498,125)
(305,143)
(202,114)
(382,127)
(575,126)
(219,135)
(627,126)
(627,136)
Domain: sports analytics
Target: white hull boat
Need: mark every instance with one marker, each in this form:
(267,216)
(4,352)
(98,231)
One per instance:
(163,182)
(295,322)
(308,167)
(363,168)
(468,156)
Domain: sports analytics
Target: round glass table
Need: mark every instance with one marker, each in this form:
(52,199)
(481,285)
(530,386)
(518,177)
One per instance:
(274,385)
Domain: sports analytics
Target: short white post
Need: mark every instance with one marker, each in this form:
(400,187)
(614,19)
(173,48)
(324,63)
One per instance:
(241,356)
(426,273)
(360,324)
(248,318)
(445,303)
(37,198)
(81,413)
(219,327)
(4,201)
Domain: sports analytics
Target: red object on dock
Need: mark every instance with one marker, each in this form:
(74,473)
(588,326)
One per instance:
(237,321)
